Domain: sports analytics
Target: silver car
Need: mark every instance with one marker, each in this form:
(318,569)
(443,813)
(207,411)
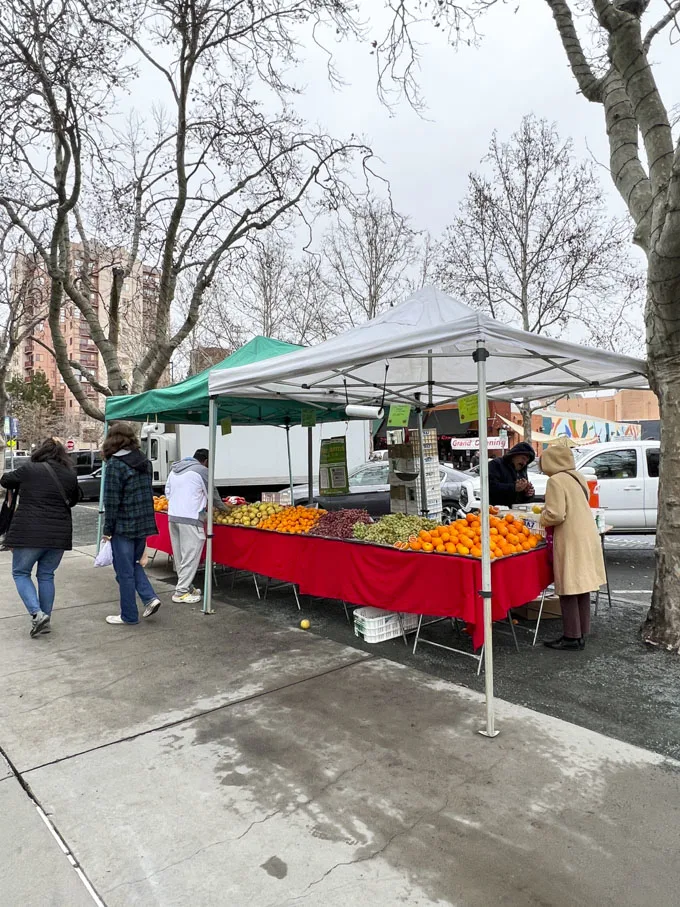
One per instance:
(369,490)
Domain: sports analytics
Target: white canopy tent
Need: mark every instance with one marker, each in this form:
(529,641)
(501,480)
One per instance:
(427,351)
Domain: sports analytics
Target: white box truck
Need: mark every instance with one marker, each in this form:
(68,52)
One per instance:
(253,458)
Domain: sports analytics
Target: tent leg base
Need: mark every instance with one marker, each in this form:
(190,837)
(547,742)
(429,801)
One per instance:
(209,611)
(490,734)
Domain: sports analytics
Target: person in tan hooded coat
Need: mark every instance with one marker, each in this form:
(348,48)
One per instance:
(577,554)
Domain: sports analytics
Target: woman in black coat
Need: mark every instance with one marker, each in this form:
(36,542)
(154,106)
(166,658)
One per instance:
(41,528)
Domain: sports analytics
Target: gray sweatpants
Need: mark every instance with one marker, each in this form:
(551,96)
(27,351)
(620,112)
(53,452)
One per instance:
(187,547)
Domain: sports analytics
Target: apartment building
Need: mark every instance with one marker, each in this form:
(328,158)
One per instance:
(137,312)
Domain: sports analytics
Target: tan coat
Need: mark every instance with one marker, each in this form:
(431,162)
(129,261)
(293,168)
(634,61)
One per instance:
(577,552)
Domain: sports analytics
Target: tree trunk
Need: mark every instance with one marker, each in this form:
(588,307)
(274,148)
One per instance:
(662,626)
(525,409)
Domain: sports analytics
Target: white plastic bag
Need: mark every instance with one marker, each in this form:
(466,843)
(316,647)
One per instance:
(105,556)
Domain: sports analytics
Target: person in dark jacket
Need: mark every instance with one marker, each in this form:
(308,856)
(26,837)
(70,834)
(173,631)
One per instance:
(508,482)
(128,519)
(41,528)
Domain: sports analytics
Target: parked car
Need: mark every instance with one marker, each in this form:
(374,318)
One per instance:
(88,486)
(85,462)
(628,474)
(369,490)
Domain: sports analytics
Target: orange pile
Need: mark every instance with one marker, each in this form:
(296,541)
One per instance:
(507,536)
(293,520)
(160,504)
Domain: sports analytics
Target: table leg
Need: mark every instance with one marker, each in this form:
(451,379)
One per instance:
(538,621)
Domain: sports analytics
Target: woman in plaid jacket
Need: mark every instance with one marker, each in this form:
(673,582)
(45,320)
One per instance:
(128,520)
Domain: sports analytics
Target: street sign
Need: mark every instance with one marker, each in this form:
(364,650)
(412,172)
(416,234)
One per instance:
(70,444)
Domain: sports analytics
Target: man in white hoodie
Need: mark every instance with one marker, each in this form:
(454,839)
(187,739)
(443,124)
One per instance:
(187,494)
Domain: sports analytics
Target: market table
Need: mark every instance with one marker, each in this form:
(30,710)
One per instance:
(438,585)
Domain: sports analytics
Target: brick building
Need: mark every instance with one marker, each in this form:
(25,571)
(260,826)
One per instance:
(138,305)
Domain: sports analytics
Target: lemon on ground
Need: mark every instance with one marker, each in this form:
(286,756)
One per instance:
(304,624)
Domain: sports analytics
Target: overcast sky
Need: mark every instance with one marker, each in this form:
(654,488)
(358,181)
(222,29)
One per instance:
(519,67)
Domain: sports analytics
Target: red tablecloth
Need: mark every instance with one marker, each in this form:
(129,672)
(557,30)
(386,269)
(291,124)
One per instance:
(361,574)
(161,542)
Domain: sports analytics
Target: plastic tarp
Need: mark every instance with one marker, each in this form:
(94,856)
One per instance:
(187,401)
(421,353)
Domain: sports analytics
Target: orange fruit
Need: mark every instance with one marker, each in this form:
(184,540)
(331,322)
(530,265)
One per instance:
(425,536)
(476,552)
(461,549)
(450,548)
(428,546)
(415,544)
(470,517)
(440,549)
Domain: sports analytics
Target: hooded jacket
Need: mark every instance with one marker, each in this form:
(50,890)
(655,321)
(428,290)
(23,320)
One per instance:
(187,492)
(578,562)
(503,475)
(128,496)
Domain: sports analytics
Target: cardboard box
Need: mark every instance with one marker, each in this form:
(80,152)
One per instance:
(551,609)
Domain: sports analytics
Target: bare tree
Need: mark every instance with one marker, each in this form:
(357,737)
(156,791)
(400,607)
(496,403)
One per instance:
(533,243)
(368,254)
(210,171)
(645,168)
(268,291)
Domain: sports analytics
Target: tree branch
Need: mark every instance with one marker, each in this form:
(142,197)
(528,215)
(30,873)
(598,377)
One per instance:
(670,16)
(100,388)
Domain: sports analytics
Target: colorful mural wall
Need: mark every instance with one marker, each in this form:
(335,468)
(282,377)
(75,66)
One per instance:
(585,429)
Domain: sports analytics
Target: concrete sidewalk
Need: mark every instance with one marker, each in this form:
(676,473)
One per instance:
(226,760)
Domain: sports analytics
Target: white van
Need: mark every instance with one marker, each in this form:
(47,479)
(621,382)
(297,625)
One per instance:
(628,475)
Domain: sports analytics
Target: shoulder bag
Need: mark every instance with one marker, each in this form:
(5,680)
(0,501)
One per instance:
(52,471)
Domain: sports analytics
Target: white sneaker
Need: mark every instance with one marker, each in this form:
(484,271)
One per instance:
(115,619)
(188,598)
(152,607)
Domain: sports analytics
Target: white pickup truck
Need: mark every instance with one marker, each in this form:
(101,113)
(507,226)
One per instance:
(628,475)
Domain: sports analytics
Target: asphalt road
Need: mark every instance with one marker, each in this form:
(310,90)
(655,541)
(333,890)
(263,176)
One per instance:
(630,563)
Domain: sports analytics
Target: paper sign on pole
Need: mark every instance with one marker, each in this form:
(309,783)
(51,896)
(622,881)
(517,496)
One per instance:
(468,408)
(225,426)
(398,415)
(333,477)
(308,418)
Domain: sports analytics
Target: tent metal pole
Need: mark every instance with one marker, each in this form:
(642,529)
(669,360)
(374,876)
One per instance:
(290,462)
(480,356)
(212,446)
(423,481)
(100,515)
(310,465)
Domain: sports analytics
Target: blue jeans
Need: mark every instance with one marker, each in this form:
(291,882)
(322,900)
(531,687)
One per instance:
(130,576)
(47,559)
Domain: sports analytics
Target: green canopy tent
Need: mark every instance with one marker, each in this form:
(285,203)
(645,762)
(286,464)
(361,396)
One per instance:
(187,402)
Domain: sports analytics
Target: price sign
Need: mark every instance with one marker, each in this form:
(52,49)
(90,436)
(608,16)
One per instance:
(225,426)
(333,478)
(308,418)
(468,408)
(399,415)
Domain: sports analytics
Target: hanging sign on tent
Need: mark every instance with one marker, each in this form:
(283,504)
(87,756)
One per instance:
(468,408)
(333,478)
(399,415)
(308,418)
(225,426)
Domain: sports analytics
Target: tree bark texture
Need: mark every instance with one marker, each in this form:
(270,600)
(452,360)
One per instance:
(637,123)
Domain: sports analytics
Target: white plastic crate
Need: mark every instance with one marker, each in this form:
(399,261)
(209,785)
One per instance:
(377,625)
